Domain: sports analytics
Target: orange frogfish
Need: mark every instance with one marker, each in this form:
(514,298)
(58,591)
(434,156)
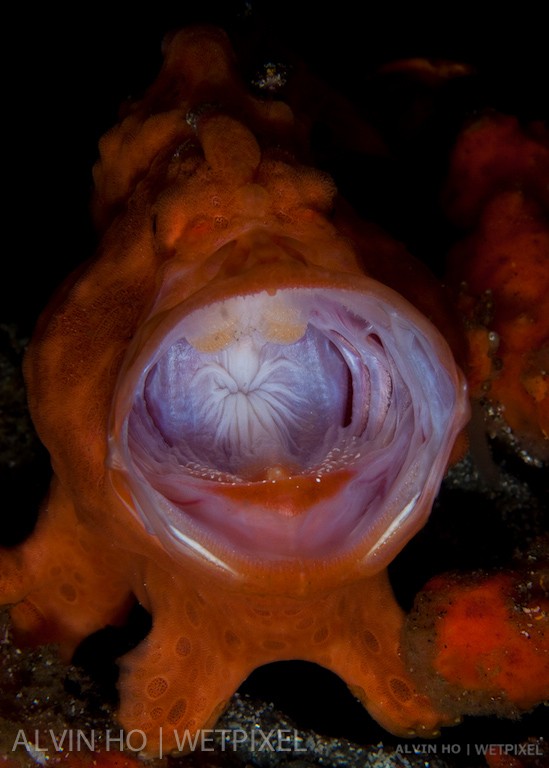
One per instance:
(247,419)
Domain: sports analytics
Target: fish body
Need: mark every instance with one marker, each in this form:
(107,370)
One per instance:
(247,409)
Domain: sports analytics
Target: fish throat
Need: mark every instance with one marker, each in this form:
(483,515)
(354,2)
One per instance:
(300,384)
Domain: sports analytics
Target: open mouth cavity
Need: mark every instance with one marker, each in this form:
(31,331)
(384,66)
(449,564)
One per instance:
(302,383)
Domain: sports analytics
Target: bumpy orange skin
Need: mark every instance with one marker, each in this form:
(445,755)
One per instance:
(89,556)
(497,190)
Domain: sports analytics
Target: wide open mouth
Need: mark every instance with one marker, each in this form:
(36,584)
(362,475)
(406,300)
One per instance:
(260,390)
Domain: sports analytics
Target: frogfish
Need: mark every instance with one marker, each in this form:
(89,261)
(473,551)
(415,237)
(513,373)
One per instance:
(250,400)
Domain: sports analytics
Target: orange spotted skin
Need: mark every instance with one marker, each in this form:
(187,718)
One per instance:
(90,555)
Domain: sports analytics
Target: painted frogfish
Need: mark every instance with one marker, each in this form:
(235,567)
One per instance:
(249,402)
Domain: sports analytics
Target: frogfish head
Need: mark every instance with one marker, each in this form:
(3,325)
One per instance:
(278,414)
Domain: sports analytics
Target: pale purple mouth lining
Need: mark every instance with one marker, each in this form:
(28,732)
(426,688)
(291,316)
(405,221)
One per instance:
(361,386)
